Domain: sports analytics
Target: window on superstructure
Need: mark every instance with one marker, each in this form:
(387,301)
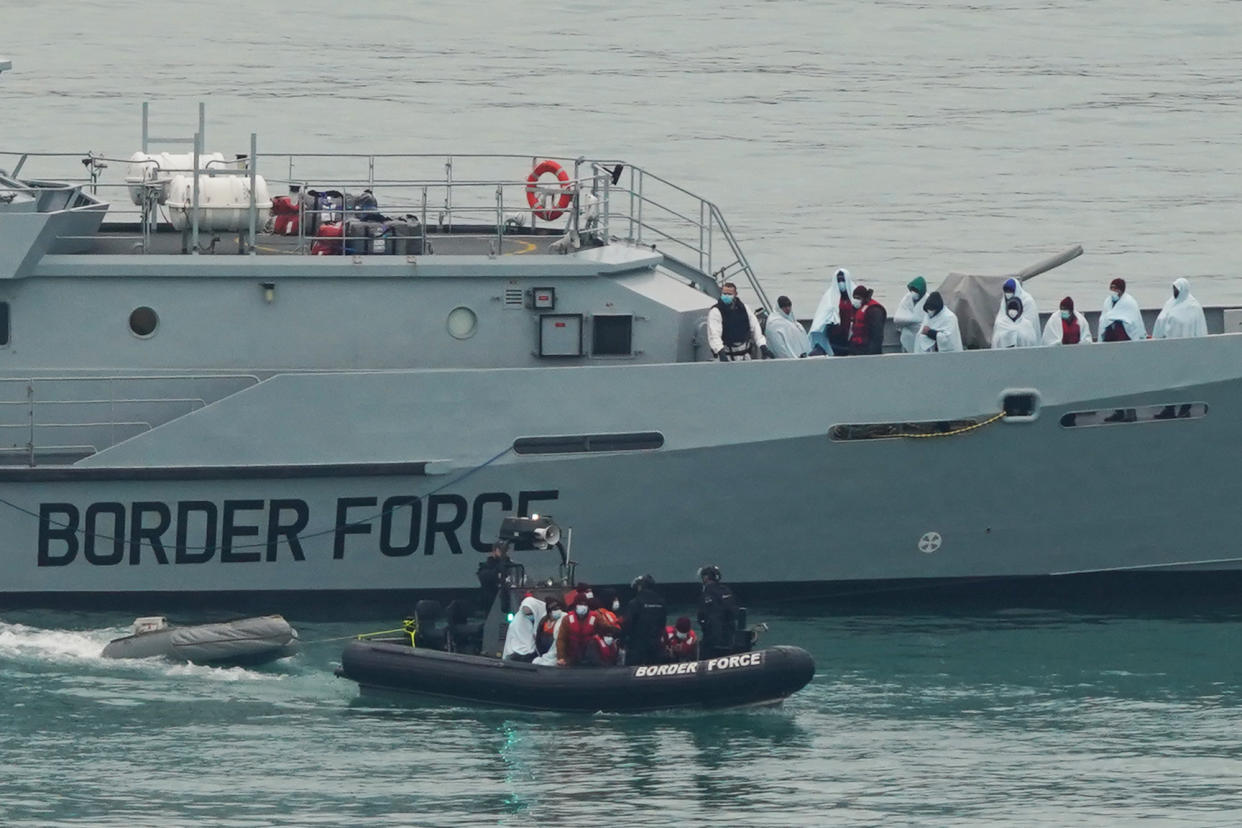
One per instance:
(612,335)
(4,324)
(143,321)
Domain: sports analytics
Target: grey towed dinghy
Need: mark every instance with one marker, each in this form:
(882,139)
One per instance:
(245,641)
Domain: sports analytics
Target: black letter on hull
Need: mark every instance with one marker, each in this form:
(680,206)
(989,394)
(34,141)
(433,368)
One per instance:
(290,530)
(63,530)
(208,550)
(476,521)
(343,528)
(525,499)
(138,533)
(449,527)
(416,525)
(116,535)
(231,530)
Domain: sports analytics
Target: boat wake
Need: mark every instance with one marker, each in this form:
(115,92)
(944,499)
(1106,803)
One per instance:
(49,647)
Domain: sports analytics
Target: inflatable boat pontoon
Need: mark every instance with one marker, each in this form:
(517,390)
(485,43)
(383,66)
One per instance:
(246,641)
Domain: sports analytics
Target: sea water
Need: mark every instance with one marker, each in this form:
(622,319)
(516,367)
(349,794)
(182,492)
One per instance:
(892,138)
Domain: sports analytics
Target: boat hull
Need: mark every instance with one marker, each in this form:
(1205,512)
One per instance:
(759,677)
(246,641)
(408,503)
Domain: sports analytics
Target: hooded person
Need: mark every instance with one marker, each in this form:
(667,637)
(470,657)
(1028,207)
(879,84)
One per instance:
(1181,316)
(1011,329)
(1067,327)
(520,637)
(1012,289)
(909,316)
(548,633)
(867,327)
(786,336)
(831,324)
(1120,319)
(939,331)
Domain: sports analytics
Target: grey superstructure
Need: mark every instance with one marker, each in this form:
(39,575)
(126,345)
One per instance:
(245,417)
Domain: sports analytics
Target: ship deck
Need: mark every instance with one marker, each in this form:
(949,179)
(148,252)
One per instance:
(115,238)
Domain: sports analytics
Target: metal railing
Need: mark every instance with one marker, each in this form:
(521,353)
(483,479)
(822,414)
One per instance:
(608,200)
(38,407)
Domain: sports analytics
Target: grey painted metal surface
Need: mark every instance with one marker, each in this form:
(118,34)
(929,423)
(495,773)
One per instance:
(285,421)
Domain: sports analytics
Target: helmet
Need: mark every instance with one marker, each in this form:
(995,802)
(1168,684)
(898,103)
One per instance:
(642,581)
(710,571)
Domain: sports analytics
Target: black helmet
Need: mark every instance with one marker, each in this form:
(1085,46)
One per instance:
(642,581)
(710,571)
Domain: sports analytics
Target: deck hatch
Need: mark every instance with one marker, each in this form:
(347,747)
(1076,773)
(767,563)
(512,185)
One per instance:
(579,443)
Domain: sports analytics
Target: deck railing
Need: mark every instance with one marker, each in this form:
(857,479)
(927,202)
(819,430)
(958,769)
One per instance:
(608,199)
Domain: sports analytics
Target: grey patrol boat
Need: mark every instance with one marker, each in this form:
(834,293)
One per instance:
(192,404)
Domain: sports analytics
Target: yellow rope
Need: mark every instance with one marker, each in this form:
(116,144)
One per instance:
(364,636)
(988,421)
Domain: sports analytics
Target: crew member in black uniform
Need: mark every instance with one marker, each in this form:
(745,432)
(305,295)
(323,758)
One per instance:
(492,572)
(643,623)
(718,615)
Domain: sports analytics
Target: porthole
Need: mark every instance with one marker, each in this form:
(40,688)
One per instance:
(462,323)
(143,321)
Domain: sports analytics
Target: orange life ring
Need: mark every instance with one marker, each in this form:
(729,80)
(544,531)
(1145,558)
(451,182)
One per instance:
(532,197)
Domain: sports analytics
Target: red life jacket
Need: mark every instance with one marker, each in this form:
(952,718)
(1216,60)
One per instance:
(578,632)
(1071,333)
(678,649)
(845,309)
(605,654)
(858,331)
(607,619)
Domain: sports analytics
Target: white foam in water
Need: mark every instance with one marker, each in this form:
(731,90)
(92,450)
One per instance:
(33,643)
(20,642)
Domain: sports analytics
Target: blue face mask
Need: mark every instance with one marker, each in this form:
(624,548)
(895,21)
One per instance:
(726,298)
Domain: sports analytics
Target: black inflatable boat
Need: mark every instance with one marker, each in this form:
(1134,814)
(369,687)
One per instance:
(758,677)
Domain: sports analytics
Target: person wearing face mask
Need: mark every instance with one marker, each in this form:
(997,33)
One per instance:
(1012,289)
(605,608)
(1182,316)
(732,329)
(909,315)
(520,637)
(786,336)
(583,589)
(642,624)
(1121,320)
(718,614)
(601,651)
(867,325)
(576,632)
(1068,327)
(939,332)
(1011,330)
(680,642)
(830,327)
(548,633)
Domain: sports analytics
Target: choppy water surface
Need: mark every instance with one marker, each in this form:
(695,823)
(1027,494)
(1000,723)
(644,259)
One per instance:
(1007,718)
